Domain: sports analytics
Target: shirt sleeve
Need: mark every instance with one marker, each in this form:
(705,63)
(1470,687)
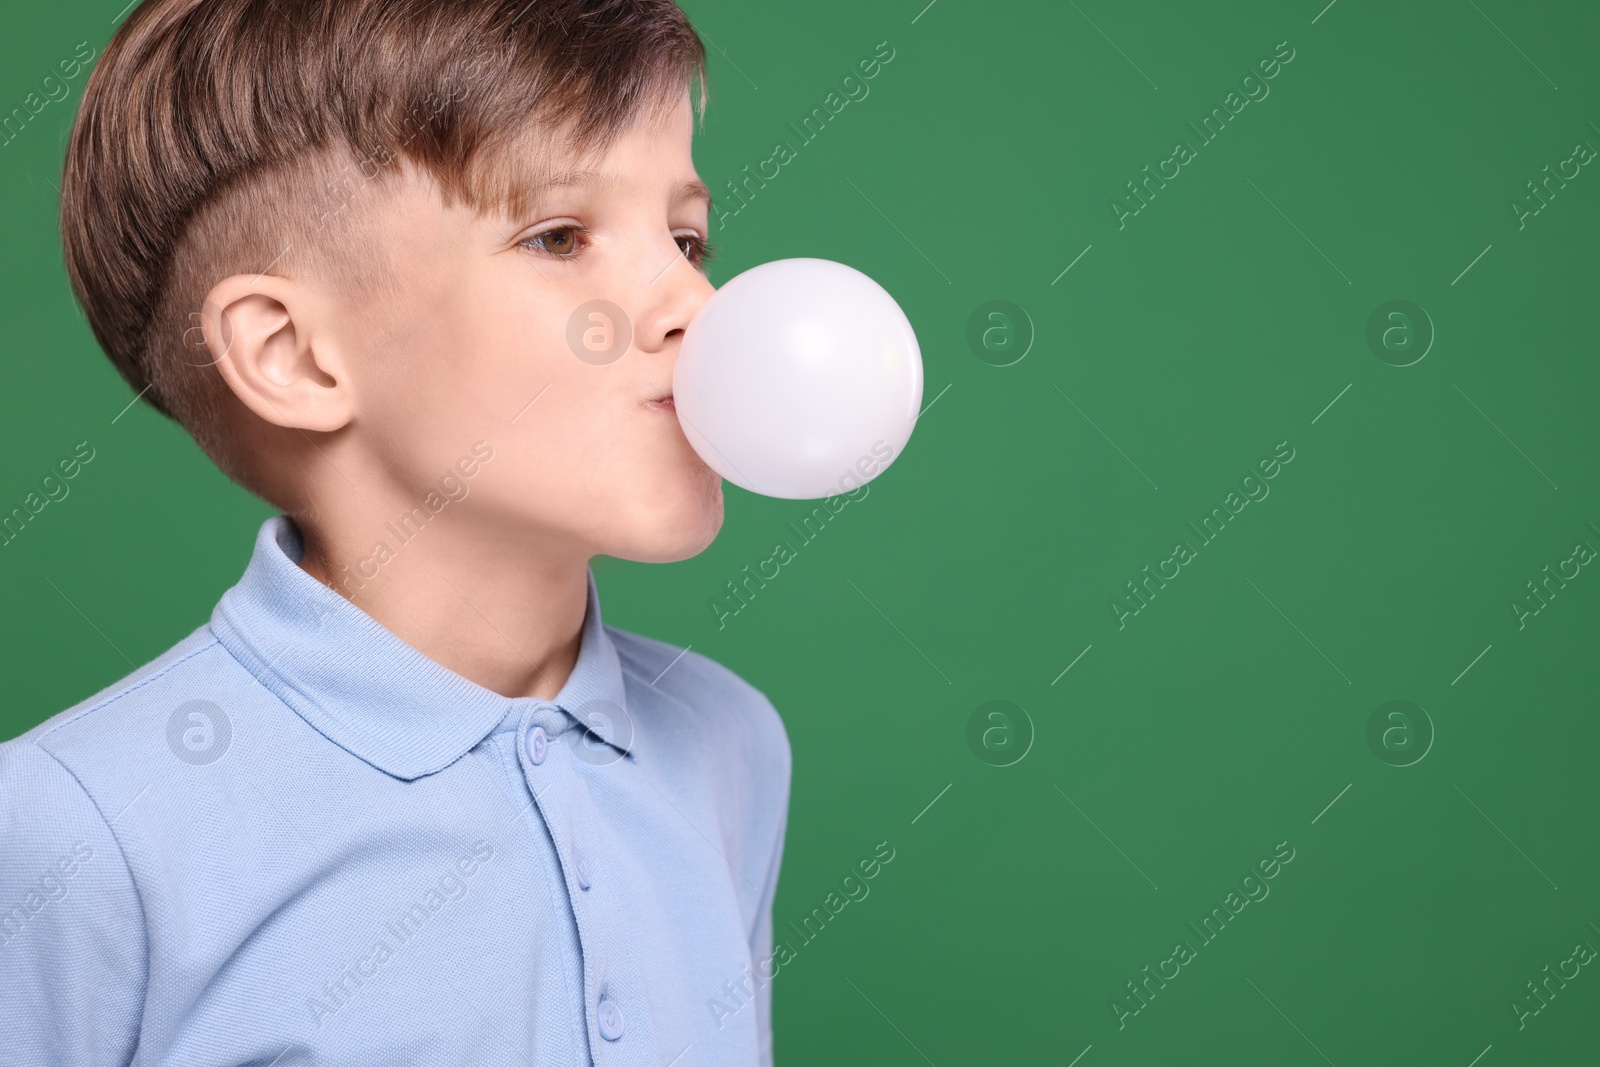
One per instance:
(72,932)
(761,938)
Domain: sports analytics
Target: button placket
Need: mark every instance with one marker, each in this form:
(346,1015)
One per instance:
(561,793)
(620,1018)
(549,780)
(548,775)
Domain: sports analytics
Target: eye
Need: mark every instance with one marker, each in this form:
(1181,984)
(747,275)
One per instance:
(696,249)
(561,242)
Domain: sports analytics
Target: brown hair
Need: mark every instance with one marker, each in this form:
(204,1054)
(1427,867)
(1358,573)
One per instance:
(218,137)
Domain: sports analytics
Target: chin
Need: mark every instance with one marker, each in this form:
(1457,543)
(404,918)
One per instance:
(679,529)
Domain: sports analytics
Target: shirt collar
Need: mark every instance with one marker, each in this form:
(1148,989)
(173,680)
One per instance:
(372,694)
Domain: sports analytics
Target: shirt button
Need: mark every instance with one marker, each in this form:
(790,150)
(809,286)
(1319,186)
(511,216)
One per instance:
(580,867)
(610,1019)
(538,744)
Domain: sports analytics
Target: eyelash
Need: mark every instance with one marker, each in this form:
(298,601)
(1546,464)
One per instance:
(701,250)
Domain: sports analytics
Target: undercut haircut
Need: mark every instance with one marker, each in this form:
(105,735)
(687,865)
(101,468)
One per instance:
(226,137)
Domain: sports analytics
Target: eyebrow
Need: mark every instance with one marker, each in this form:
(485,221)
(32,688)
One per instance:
(689,189)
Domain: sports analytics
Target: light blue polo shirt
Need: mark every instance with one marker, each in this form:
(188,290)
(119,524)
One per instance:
(293,839)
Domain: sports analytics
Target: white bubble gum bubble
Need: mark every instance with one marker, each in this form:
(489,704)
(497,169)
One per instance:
(799,378)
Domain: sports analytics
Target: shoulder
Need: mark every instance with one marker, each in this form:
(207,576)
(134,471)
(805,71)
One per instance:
(73,941)
(74,935)
(103,720)
(52,833)
(123,689)
(715,738)
(113,744)
(685,692)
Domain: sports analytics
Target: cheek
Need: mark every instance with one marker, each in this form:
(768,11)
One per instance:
(660,481)
(424,344)
(513,371)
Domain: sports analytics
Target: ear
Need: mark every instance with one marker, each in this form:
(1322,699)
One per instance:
(260,333)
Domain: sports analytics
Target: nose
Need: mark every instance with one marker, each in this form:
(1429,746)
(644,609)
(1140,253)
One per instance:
(669,302)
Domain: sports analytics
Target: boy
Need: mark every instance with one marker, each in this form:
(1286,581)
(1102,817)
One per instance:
(404,799)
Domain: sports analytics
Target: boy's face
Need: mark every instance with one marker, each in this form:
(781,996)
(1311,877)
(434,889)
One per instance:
(486,321)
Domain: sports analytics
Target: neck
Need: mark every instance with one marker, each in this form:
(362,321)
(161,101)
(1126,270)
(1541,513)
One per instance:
(494,609)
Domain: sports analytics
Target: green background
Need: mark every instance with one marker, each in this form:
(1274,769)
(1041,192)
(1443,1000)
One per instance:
(1231,713)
